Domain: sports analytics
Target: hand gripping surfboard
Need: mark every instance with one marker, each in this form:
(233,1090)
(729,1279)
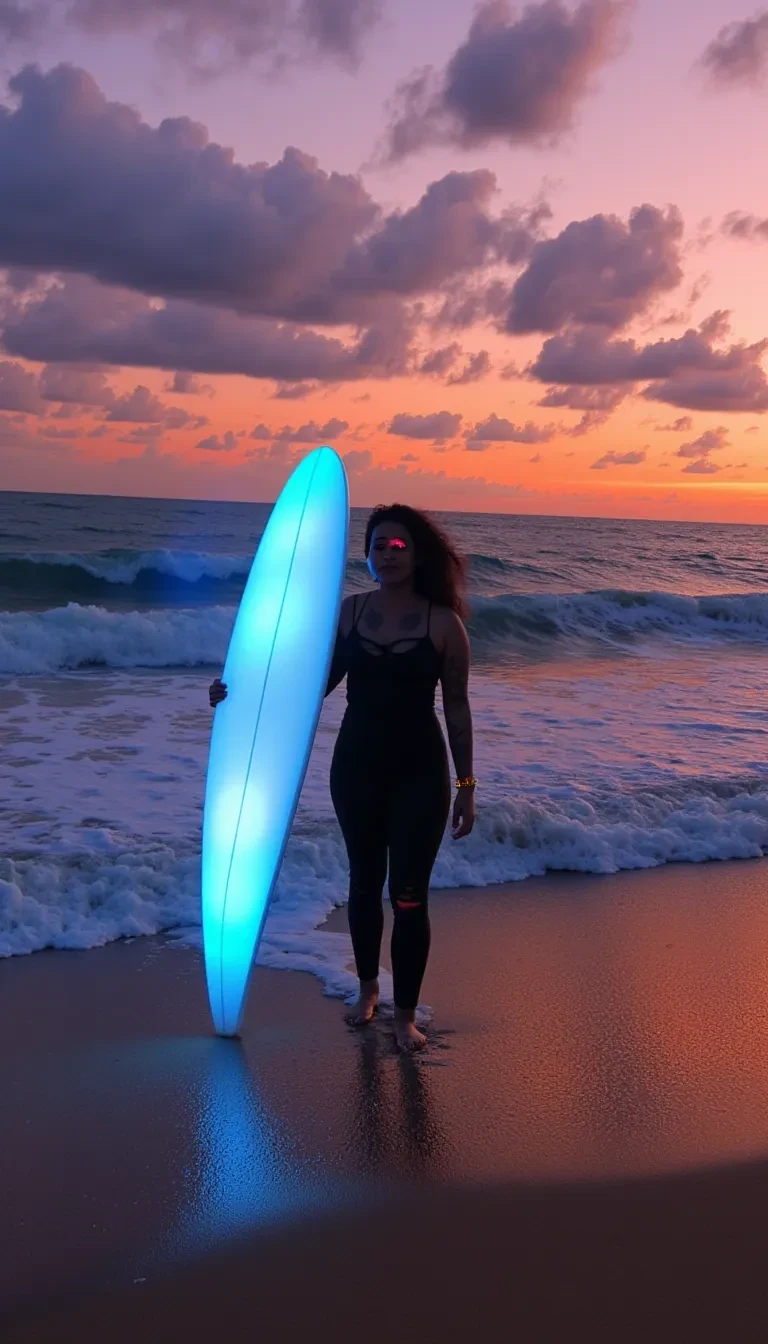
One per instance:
(276,672)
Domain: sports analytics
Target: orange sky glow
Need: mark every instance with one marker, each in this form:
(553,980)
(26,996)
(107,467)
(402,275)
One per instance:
(653,453)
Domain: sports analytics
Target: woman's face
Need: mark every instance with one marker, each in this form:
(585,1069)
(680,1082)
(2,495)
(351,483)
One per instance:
(392,557)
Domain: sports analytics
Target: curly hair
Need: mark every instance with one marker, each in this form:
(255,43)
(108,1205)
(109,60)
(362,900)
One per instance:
(441,573)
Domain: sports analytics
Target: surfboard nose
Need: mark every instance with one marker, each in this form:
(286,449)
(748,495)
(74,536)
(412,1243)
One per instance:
(326,459)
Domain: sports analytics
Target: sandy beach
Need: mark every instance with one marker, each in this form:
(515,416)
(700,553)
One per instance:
(582,1145)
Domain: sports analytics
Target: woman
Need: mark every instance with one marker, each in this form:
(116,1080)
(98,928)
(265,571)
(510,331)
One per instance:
(389,776)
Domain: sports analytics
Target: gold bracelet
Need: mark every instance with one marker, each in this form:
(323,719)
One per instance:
(469,783)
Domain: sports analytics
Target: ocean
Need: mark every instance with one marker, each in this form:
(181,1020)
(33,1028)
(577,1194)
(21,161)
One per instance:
(618,689)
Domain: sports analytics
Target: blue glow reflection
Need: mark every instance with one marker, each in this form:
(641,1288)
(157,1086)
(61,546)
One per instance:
(249,1172)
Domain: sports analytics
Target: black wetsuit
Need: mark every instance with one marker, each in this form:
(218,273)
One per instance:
(391,790)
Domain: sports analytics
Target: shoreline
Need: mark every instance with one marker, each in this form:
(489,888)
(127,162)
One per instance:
(103,781)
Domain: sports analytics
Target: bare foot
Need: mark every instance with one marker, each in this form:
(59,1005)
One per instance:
(364,1010)
(407,1035)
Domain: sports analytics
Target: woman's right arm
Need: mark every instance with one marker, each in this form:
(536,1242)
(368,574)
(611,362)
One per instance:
(217,691)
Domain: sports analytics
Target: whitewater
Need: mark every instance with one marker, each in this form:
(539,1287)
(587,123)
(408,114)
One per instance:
(618,695)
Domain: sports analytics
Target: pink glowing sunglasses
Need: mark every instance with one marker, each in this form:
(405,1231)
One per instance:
(392,544)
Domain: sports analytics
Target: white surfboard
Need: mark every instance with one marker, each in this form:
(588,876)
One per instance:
(276,672)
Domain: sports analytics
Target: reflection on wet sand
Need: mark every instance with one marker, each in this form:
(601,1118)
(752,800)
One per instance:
(586,1030)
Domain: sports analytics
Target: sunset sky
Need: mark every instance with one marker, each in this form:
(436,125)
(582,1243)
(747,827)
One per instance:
(503,258)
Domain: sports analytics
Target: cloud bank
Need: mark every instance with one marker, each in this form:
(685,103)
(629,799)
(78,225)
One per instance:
(439,426)
(286,240)
(688,371)
(496,429)
(209,37)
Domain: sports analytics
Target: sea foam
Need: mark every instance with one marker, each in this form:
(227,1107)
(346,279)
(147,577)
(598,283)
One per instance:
(535,625)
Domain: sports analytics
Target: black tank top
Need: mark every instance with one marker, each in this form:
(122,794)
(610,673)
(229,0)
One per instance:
(391,686)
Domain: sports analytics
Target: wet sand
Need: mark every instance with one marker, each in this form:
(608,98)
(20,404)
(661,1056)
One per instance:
(581,1148)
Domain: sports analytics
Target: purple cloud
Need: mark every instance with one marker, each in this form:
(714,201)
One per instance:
(150,435)
(629,459)
(213,444)
(739,53)
(447,234)
(310,432)
(261,239)
(476,367)
(82,321)
(600,399)
(737,224)
(586,357)
(358,460)
(702,467)
(210,37)
(19,390)
(711,441)
(340,26)
(439,426)
(287,240)
(278,451)
(679,426)
(185,384)
(293,391)
(142,407)
(75,386)
(514,79)
(439,362)
(18,20)
(736,390)
(590,420)
(687,371)
(598,271)
(496,429)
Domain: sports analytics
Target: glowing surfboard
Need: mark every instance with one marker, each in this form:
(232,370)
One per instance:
(276,672)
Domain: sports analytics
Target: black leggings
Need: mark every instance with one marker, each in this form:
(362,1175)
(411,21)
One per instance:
(392,816)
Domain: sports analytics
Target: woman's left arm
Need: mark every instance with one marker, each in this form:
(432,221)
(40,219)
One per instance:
(454,679)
